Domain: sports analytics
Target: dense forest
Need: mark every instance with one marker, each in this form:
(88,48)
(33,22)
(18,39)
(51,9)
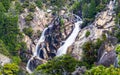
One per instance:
(12,44)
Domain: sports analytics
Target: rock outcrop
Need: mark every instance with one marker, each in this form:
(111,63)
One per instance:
(39,22)
(106,53)
(4,59)
(104,23)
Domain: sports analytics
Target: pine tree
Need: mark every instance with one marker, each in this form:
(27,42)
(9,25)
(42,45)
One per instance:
(92,9)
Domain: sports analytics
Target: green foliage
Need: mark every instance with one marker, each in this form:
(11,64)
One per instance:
(28,31)
(76,6)
(62,22)
(85,10)
(25,4)
(105,1)
(10,69)
(119,59)
(3,49)
(32,7)
(58,3)
(90,51)
(29,18)
(58,65)
(101,70)
(117,48)
(18,7)
(104,37)
(87,33)
(9,32)
(92,9)
(100,7)
(16,59)
(6,3)
(2,8)
(39,3)
(23,46)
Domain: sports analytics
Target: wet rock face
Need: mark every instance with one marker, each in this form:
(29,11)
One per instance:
(52,40)
(108,59)
(34,63)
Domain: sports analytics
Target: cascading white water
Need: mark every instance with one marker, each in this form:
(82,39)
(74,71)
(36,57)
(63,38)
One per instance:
(42,39)
(70,40)
(63,48)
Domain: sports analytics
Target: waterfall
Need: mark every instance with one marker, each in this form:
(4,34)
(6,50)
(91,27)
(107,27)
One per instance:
(63,49)
(42,39)
(70,40)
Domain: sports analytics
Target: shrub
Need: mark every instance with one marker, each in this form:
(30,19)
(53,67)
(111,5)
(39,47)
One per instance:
(10,69)
(3,49)
(6,3)
(16,59)
(101,70)
(117,48)
(19,7)
(39,3)
(58,65)
(100,7)
(2,8)
(32,7)
(90,51)
(25,4)
(119,60)
(87,33)
(28,31)
(29,18)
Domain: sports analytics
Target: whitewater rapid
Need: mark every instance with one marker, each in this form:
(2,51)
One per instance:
(63,49)
(70,40)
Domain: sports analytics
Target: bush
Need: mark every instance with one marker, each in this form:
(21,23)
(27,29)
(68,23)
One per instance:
(2,8)
(32,7)
(75,7)
(100,7)
(3,49)
(90,51)
(117,48)
(16,60)
(87,33)
(19,7)
(28,31)
(6,3)
(10,69)
(39,3)
(25,4)
(119,60)
(101,70)
(58,65)
(29,18)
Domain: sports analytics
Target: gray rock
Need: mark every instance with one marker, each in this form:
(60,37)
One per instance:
(108,58)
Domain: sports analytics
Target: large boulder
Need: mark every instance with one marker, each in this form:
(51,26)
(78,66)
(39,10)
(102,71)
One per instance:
(108,58)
